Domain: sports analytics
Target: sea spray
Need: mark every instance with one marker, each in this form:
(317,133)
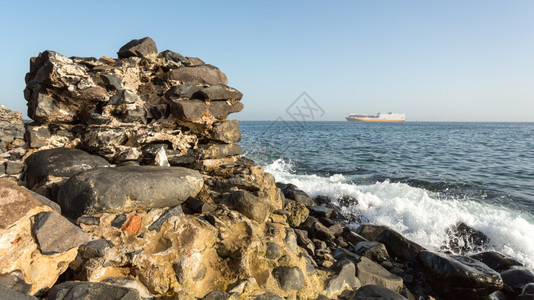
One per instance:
(419,214)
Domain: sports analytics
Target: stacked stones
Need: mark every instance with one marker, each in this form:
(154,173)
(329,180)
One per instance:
(153,108)
(135,190)
(11,143)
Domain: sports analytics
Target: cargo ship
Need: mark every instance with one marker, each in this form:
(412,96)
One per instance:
(380,117)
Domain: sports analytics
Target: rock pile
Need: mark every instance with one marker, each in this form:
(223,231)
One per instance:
(132,188)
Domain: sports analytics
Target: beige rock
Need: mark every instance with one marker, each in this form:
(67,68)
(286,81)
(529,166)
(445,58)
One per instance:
(18,250)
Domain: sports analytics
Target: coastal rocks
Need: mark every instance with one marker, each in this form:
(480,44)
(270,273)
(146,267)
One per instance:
(342,278)
(128,188)
(11,143)
(59,163)
(399,246)
(376,292)
(55,234)
(72,290)
(120,108)
(495,260)
(463,238)
(289,278)
(369,272)
(20,254)
(516,279)
(459,275)
(144,48)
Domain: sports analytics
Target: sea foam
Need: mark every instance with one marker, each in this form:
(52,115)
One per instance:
(418,214)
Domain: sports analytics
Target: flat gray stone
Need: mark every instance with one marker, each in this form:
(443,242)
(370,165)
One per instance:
(10,294)
(55,234)
(76,290)
(203,74)
(59,162)
(127,188)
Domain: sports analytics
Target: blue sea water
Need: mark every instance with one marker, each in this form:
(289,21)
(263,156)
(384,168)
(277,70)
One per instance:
(418,178)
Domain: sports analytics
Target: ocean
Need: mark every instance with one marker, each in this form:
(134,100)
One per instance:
(419,178)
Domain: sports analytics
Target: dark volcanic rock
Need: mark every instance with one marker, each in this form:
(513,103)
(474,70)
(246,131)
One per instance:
(174,57)
(459,275)
(373,250)
(292,192)
(495,260)
(127,188)
(320,211)
(11,294)
(142,48)
(204,74)
(15,281)
(171,212)
(217,92)
(370,292)
(370,231)
(55,234)
(369,272)
(516,279)
(74,290)
(463,238)
(95,248)
(249,205)
(289,278)
(399,246)
(59,162)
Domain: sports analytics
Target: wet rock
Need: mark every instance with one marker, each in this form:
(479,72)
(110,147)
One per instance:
(343,277)
(369,272)
(55,234)
(370,231)
(73,290)
(463,238)
(399,246)
(249,205)
(144,47)
(516,279)
(289,278)
(375,251)
(320,211)
(59,162)
(376,292)
(495,260)
(459,275)
(203,74)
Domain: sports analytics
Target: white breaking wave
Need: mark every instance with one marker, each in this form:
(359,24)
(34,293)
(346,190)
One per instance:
(418,214)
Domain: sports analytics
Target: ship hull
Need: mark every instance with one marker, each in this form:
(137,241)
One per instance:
(371,120)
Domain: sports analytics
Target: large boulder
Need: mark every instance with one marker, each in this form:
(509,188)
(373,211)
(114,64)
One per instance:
(399,246)
(495,260)
(127,188)
(516,279)
(59,162)
(451,276)
(144,47)
(369,272)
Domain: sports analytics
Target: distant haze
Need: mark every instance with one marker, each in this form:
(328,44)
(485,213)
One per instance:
(433,60)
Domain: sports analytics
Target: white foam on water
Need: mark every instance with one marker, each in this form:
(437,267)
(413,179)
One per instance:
(418,214)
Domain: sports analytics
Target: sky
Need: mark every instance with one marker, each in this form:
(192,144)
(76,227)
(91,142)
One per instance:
(452,60)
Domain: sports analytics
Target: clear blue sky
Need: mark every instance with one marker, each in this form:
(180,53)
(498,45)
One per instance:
(452,60)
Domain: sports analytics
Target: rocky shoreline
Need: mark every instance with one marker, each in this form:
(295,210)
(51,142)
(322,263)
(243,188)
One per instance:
(128,184)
